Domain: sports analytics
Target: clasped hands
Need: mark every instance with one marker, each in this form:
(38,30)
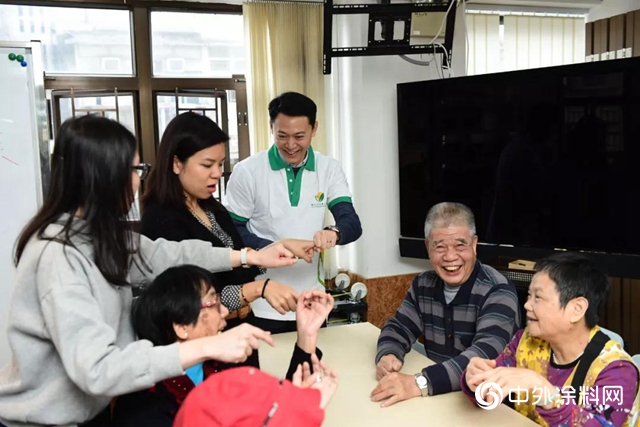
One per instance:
(305,249)
(508,379)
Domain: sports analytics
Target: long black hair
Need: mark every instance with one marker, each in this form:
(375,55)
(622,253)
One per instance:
(184,136)
(91,171)
(173,297)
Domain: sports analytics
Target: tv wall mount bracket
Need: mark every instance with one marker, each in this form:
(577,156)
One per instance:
(386,14)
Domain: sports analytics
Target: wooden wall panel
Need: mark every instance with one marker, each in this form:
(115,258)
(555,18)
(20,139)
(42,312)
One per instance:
(636,33)
(604,35)
(616,33)
(588,46)
(629,28)
(597,34)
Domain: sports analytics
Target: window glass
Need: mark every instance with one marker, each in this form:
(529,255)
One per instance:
(74,40)
(197,44)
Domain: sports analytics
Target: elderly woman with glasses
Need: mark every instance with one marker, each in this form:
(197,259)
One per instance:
(561,370)
(183,304)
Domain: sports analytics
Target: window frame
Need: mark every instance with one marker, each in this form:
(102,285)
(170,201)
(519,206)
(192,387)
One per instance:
(142,83)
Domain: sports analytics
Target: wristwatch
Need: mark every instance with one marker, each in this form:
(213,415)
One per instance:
(243,258)
(423,384)
(335,229)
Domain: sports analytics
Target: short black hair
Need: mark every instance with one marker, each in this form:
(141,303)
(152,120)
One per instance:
(175,296)
(575,276)
(293,104)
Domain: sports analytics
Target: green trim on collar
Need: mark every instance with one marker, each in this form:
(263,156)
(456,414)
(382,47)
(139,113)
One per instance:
(276,162)
(238,217)
(337,200)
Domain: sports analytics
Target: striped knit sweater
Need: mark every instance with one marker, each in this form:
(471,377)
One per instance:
(479,321)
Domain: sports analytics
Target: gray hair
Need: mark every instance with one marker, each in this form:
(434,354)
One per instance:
(446,214)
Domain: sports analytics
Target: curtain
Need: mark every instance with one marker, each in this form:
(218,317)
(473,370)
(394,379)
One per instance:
(285,51)
(483,34)
(532,42)
(523,42)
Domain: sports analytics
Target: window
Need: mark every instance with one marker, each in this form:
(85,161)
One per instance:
(97,54)
(74,40)
(103,105)
(210,45)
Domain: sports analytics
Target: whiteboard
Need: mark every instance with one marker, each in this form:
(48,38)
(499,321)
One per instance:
(21,139)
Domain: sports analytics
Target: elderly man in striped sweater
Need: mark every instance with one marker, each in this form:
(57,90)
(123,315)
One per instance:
(462,307)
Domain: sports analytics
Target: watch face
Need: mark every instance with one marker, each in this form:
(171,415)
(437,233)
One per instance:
(421,381)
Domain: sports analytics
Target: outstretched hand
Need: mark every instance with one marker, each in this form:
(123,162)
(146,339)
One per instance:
(322,378)
(237,344)
(303,249)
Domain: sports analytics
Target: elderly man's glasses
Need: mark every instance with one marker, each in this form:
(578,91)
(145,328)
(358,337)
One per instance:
(142,169)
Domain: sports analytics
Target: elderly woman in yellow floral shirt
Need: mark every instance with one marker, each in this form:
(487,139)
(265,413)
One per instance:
(561,370)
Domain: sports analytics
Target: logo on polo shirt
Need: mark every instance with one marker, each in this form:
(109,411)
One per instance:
(319,203)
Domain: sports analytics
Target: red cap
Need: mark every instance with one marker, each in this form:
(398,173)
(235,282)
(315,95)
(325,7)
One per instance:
(247,397)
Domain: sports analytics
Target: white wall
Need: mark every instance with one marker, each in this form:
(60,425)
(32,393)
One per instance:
(610,8)
(362,122)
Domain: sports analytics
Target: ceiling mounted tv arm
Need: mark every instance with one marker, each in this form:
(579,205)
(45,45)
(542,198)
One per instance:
(386,15)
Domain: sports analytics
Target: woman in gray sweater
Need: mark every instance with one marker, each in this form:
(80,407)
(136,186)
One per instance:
(69,328)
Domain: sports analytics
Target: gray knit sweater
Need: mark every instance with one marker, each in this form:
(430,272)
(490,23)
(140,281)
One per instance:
(70,332)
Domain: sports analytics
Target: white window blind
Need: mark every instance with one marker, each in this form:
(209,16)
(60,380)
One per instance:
(485,50)
(523,42)
(532,42)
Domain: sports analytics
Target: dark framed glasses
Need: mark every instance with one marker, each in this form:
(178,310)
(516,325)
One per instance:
(142,169)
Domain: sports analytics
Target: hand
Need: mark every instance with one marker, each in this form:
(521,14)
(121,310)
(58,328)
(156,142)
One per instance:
(395,387)
(281,297)
(387,365)
(477,366)
(324,239)
(300,248)
(272,256)
(323,379)
(513,379)
(312,311)
(236,344)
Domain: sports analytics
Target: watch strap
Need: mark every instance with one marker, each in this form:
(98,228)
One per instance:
(335,230)
(243,258)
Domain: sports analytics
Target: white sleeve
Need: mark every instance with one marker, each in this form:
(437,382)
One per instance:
(338,185)
(240,197)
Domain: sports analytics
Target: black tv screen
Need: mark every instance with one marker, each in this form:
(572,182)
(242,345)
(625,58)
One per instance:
(545,158)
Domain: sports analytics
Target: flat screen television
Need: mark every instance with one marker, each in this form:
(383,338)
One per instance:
(546,158)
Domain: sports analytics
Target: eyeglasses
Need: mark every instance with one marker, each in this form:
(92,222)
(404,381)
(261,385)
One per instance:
(214,302)
(142,169)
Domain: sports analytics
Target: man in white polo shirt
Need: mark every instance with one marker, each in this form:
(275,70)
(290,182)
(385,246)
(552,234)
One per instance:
(283,193)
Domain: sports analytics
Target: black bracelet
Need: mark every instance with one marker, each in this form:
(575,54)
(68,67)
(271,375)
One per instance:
(264,287)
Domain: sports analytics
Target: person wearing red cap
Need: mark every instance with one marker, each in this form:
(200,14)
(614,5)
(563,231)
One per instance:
(221,401)
(182,304)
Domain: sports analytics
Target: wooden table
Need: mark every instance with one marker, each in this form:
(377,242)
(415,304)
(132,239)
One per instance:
(351,351)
